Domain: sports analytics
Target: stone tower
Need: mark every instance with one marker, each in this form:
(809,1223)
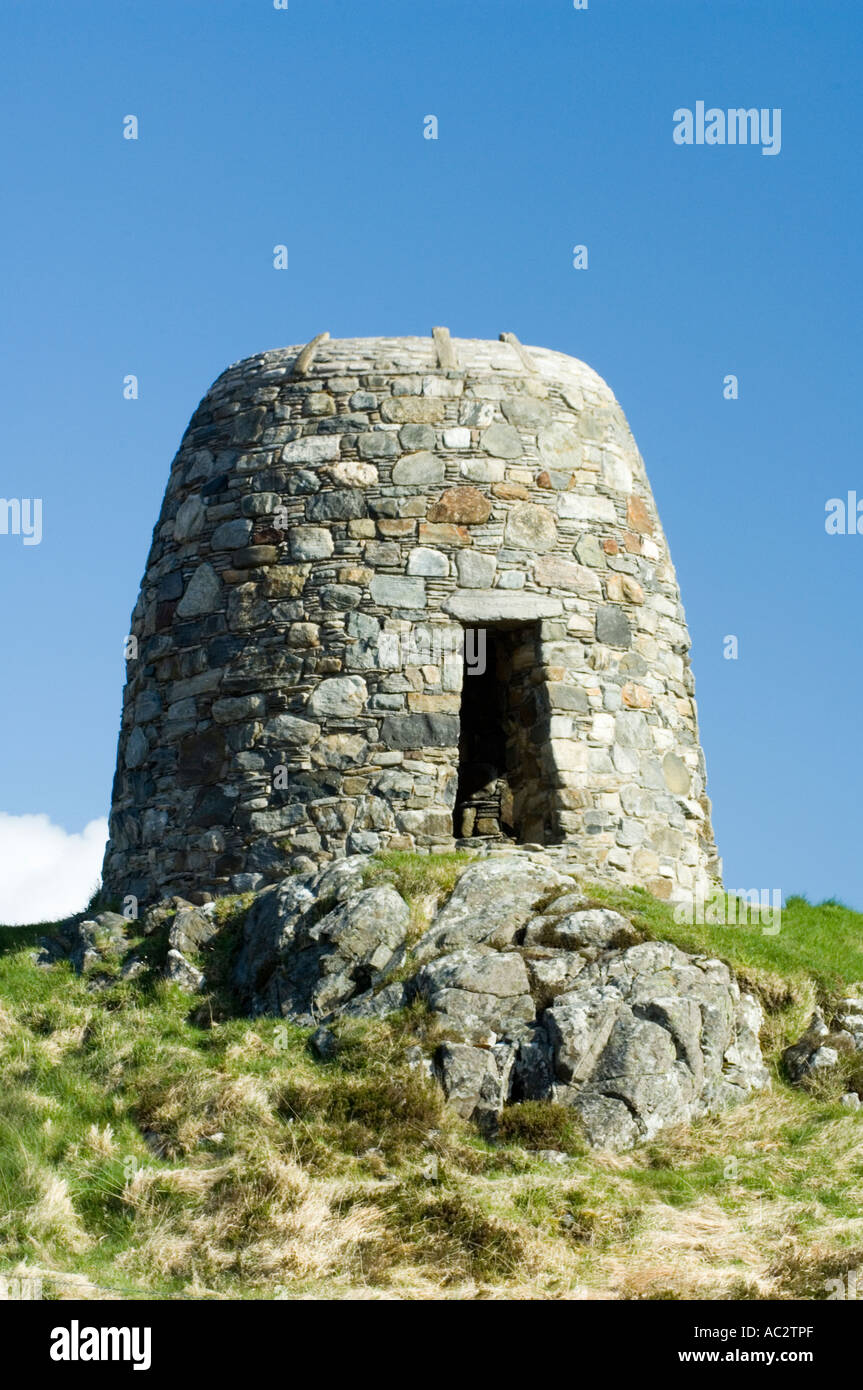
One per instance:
(407,593)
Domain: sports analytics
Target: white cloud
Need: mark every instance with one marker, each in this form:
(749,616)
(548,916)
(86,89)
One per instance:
(46,873)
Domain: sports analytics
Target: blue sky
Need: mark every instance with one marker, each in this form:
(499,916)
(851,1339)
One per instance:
(305,127)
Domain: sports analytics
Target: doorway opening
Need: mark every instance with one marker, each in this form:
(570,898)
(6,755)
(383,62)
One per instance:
(500,792)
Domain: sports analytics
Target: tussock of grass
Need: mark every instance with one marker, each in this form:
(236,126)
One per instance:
(540,1125)
(413,875)
(384,1106)
(423,880)
(816,1272)
(452,1230)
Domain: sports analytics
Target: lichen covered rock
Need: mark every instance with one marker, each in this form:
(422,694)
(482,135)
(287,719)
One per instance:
(634,1036)
(819,1050)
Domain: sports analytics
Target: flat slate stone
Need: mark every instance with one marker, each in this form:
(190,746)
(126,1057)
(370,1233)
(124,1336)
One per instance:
(418,469)
(396,591)
(203,593)
(612,626)
(498,605)
(420,731)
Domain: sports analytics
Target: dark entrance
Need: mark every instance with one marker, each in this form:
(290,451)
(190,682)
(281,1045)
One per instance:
(500,793)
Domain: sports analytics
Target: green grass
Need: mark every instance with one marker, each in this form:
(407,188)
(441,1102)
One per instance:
(821,943)
(423,880)
(157,1146)
(413,875)
(13,938)
(124,1124)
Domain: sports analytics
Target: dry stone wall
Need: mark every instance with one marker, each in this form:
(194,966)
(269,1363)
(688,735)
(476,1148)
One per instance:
(336,517)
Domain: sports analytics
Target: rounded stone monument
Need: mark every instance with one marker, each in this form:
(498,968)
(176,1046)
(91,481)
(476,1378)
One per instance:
(407,593)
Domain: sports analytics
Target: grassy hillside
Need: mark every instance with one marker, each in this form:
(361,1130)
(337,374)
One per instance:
(153,1146)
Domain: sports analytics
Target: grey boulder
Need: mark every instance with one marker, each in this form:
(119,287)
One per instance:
(88,942)
(595,928)
(650,1037)
(490,905)
(281,913)
(181,972)
(819,1049)
(191,929)
(476,1080)
(303,961)
(478,994)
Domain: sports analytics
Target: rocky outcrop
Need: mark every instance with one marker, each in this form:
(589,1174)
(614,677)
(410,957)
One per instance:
(86,942)
(537,995)
(533,993)
(650,1037)
(318,941)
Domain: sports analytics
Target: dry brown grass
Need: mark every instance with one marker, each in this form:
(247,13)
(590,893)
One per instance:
(144,1155)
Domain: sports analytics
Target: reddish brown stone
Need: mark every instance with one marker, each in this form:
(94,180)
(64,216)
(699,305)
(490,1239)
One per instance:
(543,480)
(635,696)
(637,515)
(622,588)
(267,535)
(442,533)
(511,492)
(462,505)
(610,546)
(285,582)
